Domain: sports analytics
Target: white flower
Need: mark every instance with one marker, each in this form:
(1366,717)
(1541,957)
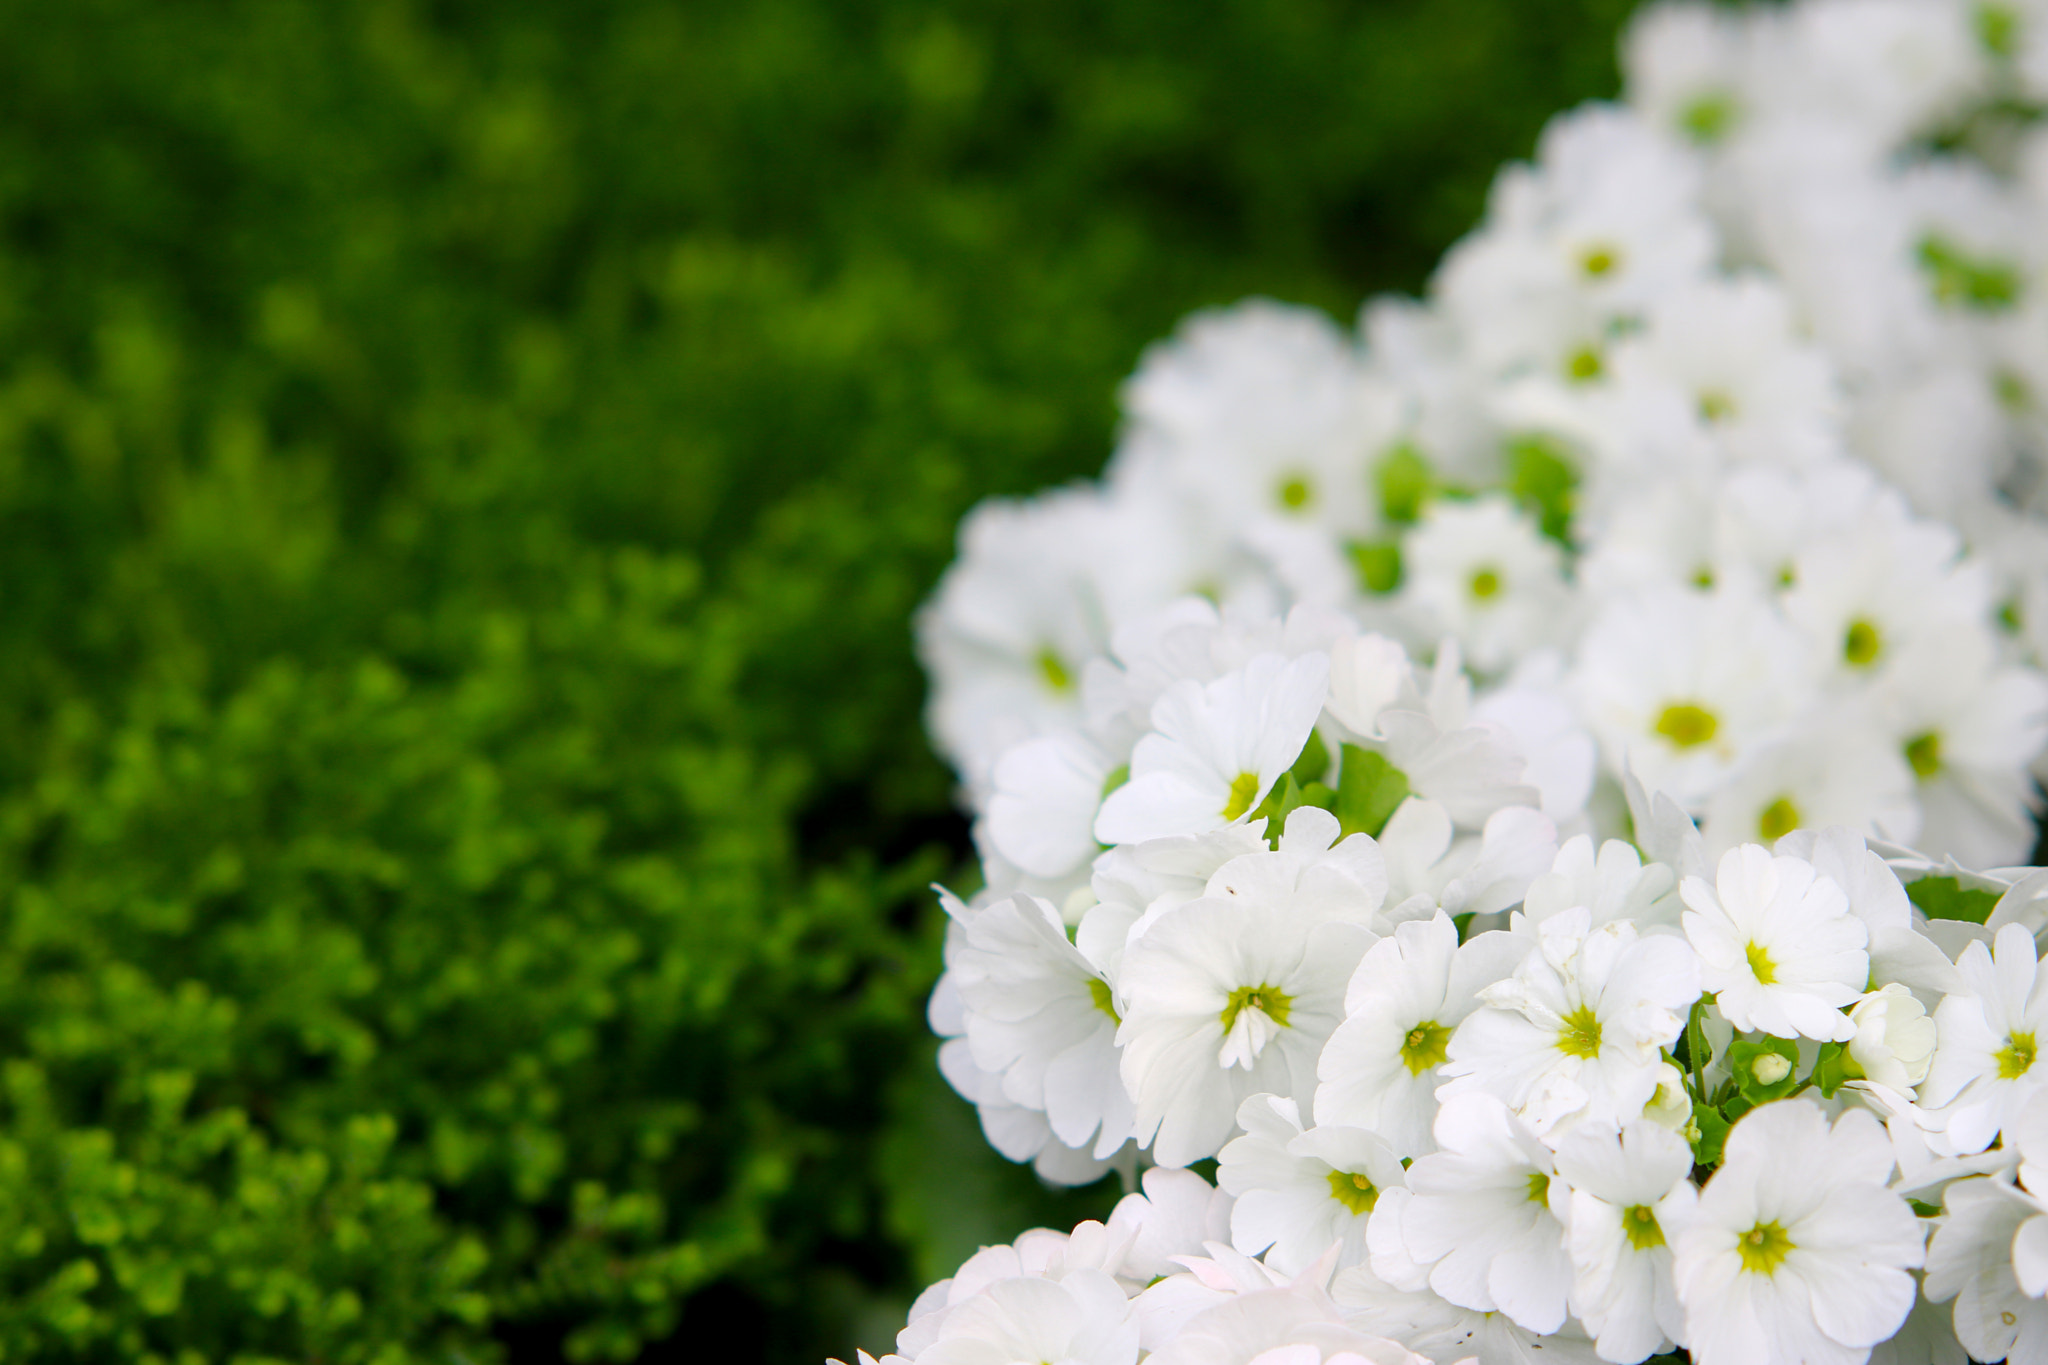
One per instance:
(1427,859)
(1629,1190)
(1778,947)
(1038,588)
(1483,1214)
(1290,1326)
(1615,885)
(1841,769)
(1991,1251)
(1298,1193)
(1083,1318)
(1990,1038)
(1039,1015)
(1684,685)
(1483,572)
(1576,1034)
(1970,1260)
(1262,411)
(1173,1214)
(1216,750)
(1410,992)
(1235,993)
(1732,349)
(1797,1251)
(1041,811)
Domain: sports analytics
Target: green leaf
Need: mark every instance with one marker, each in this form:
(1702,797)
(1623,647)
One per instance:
(1744,1057)
(1834,1068)
(1948,898)
(1405,483)
(1542,477)
(1287,795)
(1313,763)
(1378,564)
(1369,790)
(1712,1135)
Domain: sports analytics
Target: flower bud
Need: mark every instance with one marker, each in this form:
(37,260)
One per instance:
(1894,1040)
(1670,1107)
(1770,1068)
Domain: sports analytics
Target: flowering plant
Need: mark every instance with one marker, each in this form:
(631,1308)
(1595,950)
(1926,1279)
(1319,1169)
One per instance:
(1532,791)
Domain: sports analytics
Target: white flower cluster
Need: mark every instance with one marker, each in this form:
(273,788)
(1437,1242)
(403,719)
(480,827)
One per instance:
(1460,778)
(1724,437)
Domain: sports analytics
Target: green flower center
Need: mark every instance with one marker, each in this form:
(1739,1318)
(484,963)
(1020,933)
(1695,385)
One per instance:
(1760,964)
(1764,1248)
(1485,584)
(1584,366)
(1104,1001)
(1539,1187)
(1296,493)
(1716,405)
(1353,1191)
(1427,1047)
(1861,645)
(1274,1004)
(1244,789)
(1707,119)
(1687,725)
(1639,1221)
(1580,1036)
(1054,671)
(1924,753)
(1779,819)
(2016,1057)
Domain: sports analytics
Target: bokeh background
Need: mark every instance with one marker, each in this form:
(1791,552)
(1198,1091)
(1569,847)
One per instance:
(466,471)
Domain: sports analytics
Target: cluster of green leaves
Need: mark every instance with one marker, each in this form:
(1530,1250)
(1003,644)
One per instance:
(465,473)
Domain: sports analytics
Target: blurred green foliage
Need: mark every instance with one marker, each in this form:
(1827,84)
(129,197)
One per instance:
(465,471)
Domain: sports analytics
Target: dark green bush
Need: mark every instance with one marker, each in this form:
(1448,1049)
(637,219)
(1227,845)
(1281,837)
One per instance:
(465,472)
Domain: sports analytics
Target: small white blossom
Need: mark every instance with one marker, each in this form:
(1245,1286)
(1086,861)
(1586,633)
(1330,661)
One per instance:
(1797,1251)
(1630,1190)
(1483,1214)
(1576,1034)
(1778,947)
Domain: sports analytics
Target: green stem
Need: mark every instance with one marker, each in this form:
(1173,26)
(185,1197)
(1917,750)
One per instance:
(1696,1048)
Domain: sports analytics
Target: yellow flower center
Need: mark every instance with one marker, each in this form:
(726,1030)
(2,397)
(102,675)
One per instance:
(1485,584)
(1716,405)
(1053,671)
(1687,725)
(1760,964)
(1274,1004)
(1639,1221)
(1243,789)
(1580,1036)
(1599,260)
(2016,1058)
(1861,645)
(1584,366)
(1539,1187)
(1427,1047)
(1354,1191)
(1924,753)
(1104,1001)
(1296,492)
(1779,819)
(1764,1248)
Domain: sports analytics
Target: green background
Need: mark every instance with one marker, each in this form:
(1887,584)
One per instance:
(466,470)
